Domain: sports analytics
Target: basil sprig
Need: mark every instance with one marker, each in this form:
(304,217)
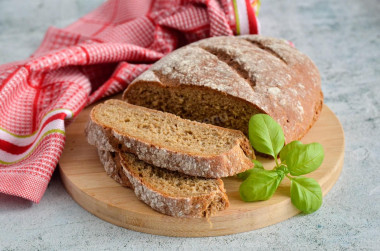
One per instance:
(266,136)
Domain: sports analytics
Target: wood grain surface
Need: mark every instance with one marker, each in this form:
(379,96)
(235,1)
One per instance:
(86,181)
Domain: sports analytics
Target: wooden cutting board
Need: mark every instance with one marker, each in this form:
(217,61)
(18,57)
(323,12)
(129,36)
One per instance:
(87,182)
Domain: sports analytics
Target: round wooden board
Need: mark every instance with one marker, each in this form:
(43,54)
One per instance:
(87,182)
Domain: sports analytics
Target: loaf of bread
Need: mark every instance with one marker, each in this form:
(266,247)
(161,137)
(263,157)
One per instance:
(167,192)
(225,80)
(168,141)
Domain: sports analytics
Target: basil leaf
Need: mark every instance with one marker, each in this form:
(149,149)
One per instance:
(246,174)
(257,164)
(260,185)
(265,134)
(303,159)
(287,148)
(306,194)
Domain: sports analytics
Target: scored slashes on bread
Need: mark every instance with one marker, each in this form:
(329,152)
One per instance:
(225,80)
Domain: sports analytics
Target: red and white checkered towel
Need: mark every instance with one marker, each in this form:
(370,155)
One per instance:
(96,56)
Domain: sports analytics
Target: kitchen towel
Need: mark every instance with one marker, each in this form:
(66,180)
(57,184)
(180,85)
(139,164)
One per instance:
(97,56)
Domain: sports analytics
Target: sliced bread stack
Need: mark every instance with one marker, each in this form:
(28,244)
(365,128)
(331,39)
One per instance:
(174,165)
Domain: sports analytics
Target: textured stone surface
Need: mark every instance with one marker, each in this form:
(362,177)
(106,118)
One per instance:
(343,39)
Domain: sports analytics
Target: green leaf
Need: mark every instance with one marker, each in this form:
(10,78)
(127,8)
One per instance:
(265,134)
(306,194)
(260,185)
(257,166)
(303,159)
(244,175)
(287,148)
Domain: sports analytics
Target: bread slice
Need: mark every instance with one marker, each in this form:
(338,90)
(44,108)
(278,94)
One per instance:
(168,192)
(165,140)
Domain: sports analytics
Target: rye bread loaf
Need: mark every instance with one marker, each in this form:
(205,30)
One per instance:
(225,80)
(168,141)
(168,192)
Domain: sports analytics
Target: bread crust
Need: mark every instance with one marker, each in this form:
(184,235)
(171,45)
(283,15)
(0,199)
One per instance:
(226,164)
(112,166)
(266,73)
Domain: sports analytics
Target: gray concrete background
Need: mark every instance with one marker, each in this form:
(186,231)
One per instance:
(342,37)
